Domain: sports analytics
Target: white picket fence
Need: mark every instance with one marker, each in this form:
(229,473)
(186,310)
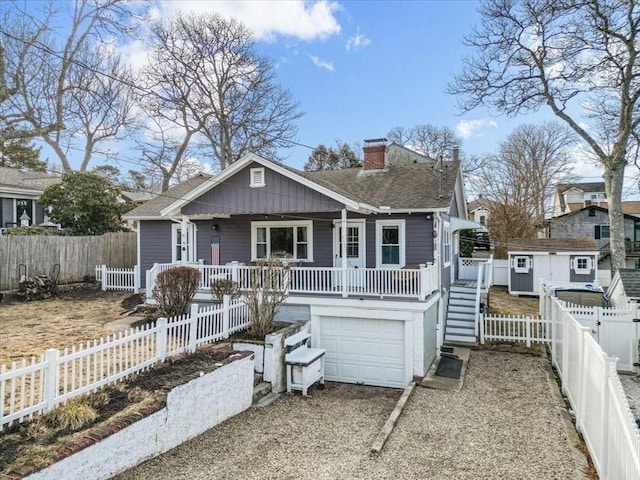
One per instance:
(118,278)
(35,386)
(515,328)
(589,380)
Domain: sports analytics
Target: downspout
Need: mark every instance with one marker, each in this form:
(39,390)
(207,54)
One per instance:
(343,253)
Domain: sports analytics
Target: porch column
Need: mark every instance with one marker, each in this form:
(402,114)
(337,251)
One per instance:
(184,239)
(343,240)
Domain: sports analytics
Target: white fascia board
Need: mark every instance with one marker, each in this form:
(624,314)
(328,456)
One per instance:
(527,252)
(143,217)
(532,252)
(251,158)
(382,211)
(20,191)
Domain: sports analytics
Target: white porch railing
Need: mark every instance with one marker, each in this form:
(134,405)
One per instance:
(37,385)
(118,278)
(410,283)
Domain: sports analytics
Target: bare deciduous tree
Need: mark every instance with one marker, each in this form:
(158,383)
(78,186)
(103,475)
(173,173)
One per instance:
(434,142)
(580,59)
(71,92)
(209,82)
(521,177)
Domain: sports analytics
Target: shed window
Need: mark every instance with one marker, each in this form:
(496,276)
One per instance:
(521,264)
(257,177)
(582,265)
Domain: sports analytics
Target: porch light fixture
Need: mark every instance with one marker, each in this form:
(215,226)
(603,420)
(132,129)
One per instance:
(215,227)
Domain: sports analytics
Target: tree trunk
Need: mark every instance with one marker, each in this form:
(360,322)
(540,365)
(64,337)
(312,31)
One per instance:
(613,183)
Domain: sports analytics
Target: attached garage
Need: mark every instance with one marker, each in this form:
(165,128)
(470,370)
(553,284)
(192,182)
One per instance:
(374,343)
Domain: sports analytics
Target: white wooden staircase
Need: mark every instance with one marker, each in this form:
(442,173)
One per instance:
(461,314)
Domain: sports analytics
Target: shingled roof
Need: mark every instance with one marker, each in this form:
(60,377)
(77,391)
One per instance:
(14,178)
(630,279)
(402,186)
(552,245)
(415,186)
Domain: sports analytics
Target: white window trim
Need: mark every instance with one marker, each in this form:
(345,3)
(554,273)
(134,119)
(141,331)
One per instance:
(401,239)
(259,172)
(191,253)
(582,271)
(293,223)
(514,264)
(446,240)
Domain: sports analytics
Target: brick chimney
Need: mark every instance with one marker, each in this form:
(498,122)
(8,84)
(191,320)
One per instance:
(374,153)
(456,153)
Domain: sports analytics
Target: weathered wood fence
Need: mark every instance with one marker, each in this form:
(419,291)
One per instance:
(77,256)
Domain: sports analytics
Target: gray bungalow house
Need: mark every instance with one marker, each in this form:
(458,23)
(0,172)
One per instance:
(372,251)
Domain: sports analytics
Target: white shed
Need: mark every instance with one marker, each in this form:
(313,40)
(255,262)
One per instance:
(553,260)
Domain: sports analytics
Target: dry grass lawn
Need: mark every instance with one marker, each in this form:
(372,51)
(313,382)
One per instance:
(73,317)
(501,303)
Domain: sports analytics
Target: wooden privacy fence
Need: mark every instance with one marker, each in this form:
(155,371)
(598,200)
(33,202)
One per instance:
(37,385)
(77,256)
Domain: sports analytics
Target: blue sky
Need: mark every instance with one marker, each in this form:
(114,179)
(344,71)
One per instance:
(359,68)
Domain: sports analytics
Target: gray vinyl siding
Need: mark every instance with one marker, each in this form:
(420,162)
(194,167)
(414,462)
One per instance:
(522,282)
(155,245)
(280,194)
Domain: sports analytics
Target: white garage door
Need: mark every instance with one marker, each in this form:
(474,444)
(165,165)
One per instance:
(363,350)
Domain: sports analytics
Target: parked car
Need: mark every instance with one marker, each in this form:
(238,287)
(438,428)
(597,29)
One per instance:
(482,240)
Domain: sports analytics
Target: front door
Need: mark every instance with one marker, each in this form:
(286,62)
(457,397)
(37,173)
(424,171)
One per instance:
(355,250)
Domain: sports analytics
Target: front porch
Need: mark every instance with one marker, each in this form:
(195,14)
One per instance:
(415,283)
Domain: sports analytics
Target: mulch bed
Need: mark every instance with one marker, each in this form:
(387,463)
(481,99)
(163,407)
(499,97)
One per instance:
(22,452)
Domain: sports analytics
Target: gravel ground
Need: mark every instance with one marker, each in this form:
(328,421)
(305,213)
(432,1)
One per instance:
(631,385)
(504,423)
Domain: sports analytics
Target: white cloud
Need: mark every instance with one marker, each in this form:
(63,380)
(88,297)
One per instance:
(267,19)
(468,128)
(318,62)
(358,41)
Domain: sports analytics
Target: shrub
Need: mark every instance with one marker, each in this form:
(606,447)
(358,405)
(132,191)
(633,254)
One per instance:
(269,290)
(73,415)
(33,230)
(175,288)
(222,287)
(467,239)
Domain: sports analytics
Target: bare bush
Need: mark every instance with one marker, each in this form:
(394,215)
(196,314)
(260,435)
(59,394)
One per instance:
(175,288)
(269,290)
(222,287)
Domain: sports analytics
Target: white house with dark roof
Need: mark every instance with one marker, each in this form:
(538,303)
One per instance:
(624,289)
(372,250)
(19,194)
(569,197)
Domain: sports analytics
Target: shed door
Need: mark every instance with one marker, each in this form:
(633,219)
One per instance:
(364,350)
(521,279)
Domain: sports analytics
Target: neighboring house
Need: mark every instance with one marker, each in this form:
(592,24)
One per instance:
(569,197)
(135,198)
(361,242)
(479,210)
(593,221)
(19,194)
(624,288)
(552,260)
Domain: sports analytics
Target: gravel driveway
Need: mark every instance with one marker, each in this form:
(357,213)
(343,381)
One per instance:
(504,423)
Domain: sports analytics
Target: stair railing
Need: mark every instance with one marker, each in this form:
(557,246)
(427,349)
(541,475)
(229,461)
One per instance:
(481,267)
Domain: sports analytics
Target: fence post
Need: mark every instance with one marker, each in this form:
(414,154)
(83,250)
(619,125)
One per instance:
(582,384)
(103,274)
(422,293)
(51,356)
(234,272)
(193,328)
(161,338)
(136,279)
(481,325)
(226,301)
(527,324)
(565,352)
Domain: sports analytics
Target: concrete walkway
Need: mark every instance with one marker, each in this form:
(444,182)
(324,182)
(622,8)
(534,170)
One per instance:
(504,423)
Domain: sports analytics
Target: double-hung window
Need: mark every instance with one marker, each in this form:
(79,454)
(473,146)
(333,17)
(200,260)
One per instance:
(446,250)
(288,240)
(390,244)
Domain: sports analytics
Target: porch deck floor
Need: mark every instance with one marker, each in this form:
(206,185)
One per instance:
(465,283)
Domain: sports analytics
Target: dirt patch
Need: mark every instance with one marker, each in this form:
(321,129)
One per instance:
(72,317)
(33,445)
(501,303)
